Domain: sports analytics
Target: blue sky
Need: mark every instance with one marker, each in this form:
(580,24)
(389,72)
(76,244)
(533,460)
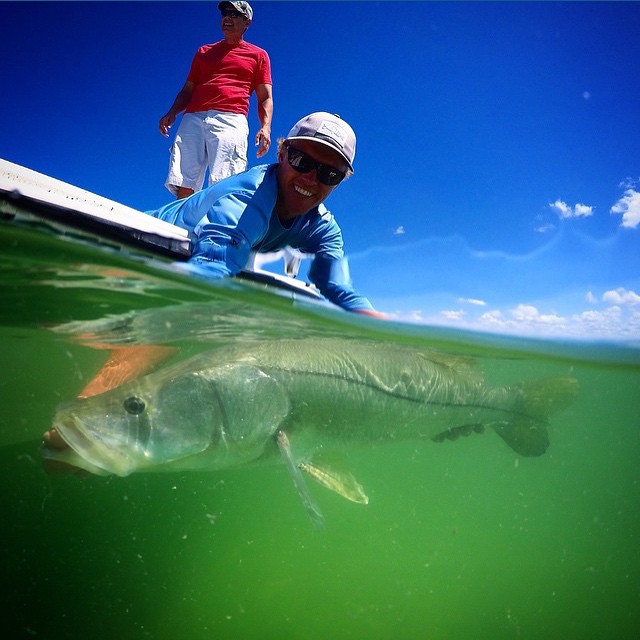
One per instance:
(497,182)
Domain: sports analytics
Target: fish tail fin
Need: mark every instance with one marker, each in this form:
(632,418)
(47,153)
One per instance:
(525,436)
(543,398)
(538,401)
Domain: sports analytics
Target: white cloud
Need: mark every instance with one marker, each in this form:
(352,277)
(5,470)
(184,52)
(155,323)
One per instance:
(492,318)
(399,231)
(562,284)
(608,323)
(524,319)
(630,183)
(629,207)
(474,301)
(416,315)
(621,296)
(614,322)
(453,315)
(567,211)
(530,314)
(582,210)
(561,208)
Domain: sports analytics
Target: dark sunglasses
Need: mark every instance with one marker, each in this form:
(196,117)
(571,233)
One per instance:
(304,163)
(231,13)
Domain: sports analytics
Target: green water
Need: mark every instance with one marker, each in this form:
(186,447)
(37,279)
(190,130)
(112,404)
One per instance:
(460,540)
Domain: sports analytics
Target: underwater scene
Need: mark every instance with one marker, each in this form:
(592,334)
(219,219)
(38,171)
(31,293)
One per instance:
(288,470)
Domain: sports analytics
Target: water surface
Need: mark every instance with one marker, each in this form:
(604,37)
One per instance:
(462,539)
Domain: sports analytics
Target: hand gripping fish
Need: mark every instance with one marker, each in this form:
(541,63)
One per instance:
(245,403)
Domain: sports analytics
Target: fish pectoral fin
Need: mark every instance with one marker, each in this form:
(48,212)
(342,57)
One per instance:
(124,364)
(303,491)
(342,482)
(538,400)
(527,437)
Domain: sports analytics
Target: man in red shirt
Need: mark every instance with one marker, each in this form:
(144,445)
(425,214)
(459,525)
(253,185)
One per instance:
(214,130)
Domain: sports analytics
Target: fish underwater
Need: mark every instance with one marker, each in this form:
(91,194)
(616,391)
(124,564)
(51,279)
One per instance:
(292,399)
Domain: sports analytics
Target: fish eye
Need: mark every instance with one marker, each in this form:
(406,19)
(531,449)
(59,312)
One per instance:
(134,405)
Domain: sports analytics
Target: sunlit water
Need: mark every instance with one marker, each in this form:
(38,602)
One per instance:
(461,539)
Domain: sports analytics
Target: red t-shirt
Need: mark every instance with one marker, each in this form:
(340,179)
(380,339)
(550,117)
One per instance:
(225,76)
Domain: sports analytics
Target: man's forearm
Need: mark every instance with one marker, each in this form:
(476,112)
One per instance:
(180,103)
(265,113)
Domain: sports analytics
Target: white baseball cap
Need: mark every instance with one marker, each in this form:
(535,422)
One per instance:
(327,129)
(243,7)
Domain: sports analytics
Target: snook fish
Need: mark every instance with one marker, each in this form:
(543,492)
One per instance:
(238,404)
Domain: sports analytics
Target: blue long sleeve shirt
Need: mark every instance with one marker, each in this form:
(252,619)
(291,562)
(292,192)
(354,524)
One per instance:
(237,215)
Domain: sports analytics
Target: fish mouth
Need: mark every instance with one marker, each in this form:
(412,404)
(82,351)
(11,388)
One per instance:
(84,450)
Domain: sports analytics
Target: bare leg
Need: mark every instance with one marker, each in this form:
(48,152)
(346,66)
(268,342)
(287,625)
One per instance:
(184,192)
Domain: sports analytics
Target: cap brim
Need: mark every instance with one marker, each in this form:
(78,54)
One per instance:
(326,144)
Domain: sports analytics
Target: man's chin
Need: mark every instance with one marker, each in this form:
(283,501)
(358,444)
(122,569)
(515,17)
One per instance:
(298,205)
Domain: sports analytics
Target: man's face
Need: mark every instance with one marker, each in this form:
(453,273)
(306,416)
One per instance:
(233,22)
(298,192)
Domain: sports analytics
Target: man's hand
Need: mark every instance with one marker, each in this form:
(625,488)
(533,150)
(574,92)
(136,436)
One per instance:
(165,124)
(263,142)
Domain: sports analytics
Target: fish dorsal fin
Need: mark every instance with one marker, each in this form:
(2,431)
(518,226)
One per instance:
(461,365)
(338,480)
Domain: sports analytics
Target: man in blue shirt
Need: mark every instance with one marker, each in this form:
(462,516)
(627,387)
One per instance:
(274,206)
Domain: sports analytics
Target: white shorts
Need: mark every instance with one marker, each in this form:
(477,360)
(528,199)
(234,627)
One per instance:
(207,139)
